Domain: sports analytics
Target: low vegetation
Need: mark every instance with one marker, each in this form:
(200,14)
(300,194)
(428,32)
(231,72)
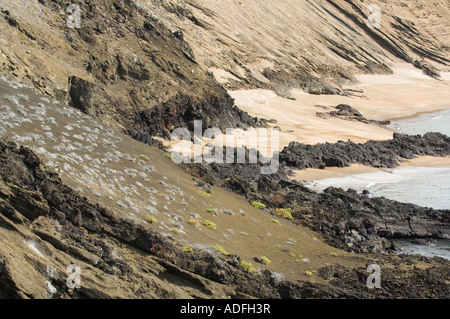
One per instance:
(264,260)
(220,249)
(209,224)
(187,249)
(258,205)
(284,213)
(247,266)
(151,219)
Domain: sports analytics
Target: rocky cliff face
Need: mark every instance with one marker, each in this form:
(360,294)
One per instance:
(119,64)
(316,45)
(130,57)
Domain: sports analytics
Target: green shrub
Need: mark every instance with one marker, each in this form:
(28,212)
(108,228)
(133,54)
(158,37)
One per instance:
(194,222)
(151,219)
(212,211)
(258,205)
(284,212)
(187,249)
(175,230)
(209,224)
(220,249)
(247,266)
(334,254)
(144,157)
(264,260)
(208,195)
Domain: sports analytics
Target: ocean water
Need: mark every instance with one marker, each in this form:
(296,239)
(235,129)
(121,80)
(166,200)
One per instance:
(439,249)
(424,186)
(423,123)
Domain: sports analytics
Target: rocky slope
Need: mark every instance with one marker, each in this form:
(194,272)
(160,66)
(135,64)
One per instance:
(345,219)
(121,63)
(46,226)
(144,237)
(315,45)
(145,68)
(144,63)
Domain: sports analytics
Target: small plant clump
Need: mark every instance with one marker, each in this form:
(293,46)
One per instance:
(209,224)
(308,273)
(187,249)
(258,205)
(276,221)
(334,254)
(175,230)
(212,211)
(247,266)
(194,222)
(208,195)
(168,156)
(284,212)
(220,249)
(135,287)
(144,157)
(151,219)
(264,260)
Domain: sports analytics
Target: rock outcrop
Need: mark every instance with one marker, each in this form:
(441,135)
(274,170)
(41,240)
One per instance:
(348,113)
(373,153)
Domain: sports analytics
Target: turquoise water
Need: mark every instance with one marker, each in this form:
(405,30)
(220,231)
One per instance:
(424,186)
(429,122)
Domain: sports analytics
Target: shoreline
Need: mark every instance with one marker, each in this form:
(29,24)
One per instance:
(312,174)
(418,114)
(407,93)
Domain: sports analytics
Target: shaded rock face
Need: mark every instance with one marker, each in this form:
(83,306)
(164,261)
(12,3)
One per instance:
(86,96)
(182,111)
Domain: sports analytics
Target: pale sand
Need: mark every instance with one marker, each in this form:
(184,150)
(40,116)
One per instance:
(335,172)
(405,93)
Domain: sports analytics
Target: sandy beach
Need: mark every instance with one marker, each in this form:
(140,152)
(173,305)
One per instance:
(405,93)
(336,172)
